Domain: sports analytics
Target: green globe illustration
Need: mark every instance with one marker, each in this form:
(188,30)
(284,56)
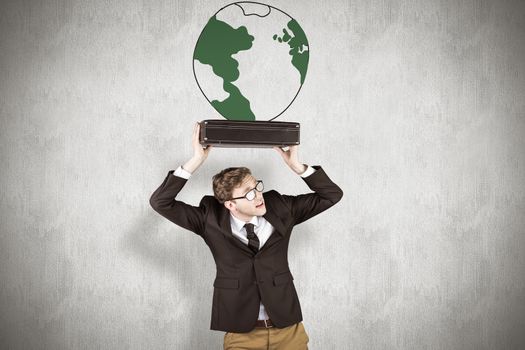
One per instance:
(250,61)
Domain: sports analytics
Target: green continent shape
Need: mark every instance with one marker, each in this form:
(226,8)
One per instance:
(298,44)
(216,45)
(236,106)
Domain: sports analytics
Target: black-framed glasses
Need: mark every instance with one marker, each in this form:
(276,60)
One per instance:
(250,195)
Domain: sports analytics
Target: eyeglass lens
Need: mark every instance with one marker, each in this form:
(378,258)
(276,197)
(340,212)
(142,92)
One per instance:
(251,194)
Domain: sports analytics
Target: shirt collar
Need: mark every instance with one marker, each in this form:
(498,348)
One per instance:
(239,224)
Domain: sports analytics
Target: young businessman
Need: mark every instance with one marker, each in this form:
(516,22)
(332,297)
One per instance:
(248,231)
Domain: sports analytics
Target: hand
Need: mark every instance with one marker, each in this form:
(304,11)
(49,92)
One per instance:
(198,151)
(199,154)
(291,158)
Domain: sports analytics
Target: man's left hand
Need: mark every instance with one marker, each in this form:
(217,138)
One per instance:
(291,158)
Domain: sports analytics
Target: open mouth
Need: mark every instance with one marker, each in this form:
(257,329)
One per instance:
(260,205)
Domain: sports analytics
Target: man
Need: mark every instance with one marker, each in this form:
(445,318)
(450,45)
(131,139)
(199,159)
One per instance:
(248,231)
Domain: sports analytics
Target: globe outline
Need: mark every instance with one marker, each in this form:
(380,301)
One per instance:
(200,36)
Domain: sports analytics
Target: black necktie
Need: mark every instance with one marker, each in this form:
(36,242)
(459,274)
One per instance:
(253,240)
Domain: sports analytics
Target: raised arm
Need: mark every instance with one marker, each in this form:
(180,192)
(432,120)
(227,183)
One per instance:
(326,192)
(163,199)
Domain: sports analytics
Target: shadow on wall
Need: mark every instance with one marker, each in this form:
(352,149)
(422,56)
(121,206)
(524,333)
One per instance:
(166,252)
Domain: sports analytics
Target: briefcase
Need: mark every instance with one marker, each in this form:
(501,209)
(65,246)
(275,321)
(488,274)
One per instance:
(232,133)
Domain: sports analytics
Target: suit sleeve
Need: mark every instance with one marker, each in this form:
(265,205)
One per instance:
(326,194)
(187,216)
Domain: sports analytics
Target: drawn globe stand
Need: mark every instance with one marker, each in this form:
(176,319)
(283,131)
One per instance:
(250,62)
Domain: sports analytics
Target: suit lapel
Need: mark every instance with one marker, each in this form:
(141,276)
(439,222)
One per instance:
(275,221)
(273,218)
(226,230)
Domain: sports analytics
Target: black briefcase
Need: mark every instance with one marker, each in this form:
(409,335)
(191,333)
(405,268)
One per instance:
(232,133)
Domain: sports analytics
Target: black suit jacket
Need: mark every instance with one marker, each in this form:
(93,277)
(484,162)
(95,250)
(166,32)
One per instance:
(243,278)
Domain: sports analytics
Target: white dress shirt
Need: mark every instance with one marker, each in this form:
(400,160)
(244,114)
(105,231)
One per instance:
(263,229)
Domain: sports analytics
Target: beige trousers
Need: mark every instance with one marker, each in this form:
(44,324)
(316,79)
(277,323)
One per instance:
(293,337)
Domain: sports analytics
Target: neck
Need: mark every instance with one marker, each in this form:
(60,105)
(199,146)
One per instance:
(244,218)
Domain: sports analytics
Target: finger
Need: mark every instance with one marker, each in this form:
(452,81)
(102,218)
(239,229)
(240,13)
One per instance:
(278,149)
(196,131)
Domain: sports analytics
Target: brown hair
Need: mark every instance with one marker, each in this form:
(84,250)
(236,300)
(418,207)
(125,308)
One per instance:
(225,181)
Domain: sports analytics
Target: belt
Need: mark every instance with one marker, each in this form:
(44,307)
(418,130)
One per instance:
(264,323)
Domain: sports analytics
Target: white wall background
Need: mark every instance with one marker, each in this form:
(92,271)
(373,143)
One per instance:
(415,108)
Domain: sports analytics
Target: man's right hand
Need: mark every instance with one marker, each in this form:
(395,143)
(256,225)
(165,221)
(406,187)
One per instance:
(199,153)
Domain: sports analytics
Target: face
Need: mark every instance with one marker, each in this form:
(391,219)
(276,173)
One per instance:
(244,209)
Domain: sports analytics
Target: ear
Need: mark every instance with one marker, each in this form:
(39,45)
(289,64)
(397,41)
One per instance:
(229,205)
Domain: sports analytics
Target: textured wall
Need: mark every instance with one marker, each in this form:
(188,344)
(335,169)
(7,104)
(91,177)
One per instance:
(415,108)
